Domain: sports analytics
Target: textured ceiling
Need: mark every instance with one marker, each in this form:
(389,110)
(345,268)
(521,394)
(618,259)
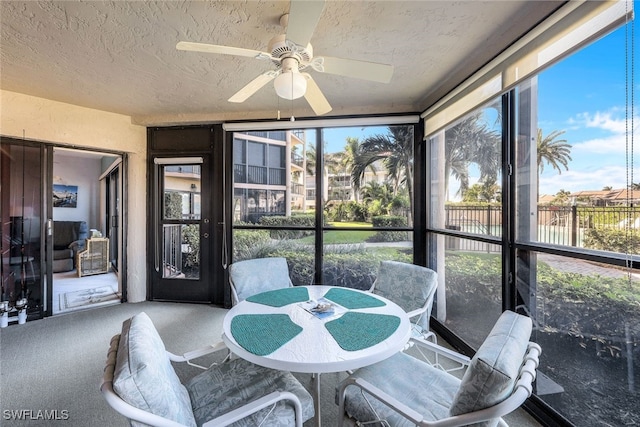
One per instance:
(120,56)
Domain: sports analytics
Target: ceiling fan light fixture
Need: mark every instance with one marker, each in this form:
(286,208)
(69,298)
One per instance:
(290,85)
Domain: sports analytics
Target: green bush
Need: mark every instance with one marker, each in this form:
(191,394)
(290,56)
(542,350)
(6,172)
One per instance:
(390,221)
(191,237)
(376,208)
(613,239)
(582,305)
(347,211)
(172,205)
(350,266)
(351,270)
(610,215)
(301,261)
(246,243)
(304,220)
(474,277)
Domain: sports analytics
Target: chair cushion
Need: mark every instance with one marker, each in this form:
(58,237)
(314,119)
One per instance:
(253,276)
(62,265)
(225,387)
(494,369)
(143,375)
(417,384)
(62,254)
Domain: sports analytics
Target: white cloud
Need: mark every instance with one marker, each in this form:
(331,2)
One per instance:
(609,145)
(605,120)
(572,180)
(613,121)
(612,124)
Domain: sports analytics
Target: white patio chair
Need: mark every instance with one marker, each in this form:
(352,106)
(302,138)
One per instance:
(253,276)
(140,383)
(412,287)
(404,391)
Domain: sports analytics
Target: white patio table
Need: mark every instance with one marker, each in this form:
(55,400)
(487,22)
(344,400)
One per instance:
(277,329)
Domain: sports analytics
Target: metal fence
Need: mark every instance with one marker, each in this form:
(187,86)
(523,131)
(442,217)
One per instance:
(558,225)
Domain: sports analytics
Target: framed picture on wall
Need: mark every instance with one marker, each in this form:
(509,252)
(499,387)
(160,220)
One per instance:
(65,196)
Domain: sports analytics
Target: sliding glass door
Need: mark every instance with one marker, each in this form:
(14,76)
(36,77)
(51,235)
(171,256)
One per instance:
(21,210)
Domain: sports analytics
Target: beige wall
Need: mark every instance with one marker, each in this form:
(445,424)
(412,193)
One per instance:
(60,123)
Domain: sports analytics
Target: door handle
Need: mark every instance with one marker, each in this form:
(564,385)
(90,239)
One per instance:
(205,235)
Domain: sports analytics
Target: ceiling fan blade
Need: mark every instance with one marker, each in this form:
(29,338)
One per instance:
(359,69)
(315,98)
(224,50)
(302,21)
(253,86)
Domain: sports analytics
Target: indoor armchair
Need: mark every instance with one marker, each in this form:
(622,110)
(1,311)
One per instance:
(68,239)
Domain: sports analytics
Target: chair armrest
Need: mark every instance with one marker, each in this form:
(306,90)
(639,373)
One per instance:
(417,312)
(257,405)
(194,354)
(132,412)
(77,245)
(441,351)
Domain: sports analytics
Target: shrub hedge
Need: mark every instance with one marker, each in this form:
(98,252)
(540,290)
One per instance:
(613,239)
(298,220)
(390,221)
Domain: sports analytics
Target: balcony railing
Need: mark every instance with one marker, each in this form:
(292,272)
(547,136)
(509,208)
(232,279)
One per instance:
(277,176)
(297,159)
(297,189)
(259,175)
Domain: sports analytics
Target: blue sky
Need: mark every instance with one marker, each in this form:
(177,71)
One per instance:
(335,138)
(584,95)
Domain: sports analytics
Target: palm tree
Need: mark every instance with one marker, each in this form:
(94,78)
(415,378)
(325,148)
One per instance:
(312,159)
(555,152)
(332,165)
(333,171)
(471,141)
(378,198)
(395,149)
(562,197)
(375,191)
(350,155)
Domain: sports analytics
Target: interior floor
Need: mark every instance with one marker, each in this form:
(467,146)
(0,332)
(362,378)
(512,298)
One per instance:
(71,293)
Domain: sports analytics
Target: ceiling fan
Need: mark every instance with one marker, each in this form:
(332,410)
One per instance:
(291,53)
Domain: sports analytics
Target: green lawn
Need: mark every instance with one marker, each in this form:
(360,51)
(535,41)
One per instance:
(350,224)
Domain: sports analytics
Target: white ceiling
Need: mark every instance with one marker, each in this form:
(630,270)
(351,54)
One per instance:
(120,56)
